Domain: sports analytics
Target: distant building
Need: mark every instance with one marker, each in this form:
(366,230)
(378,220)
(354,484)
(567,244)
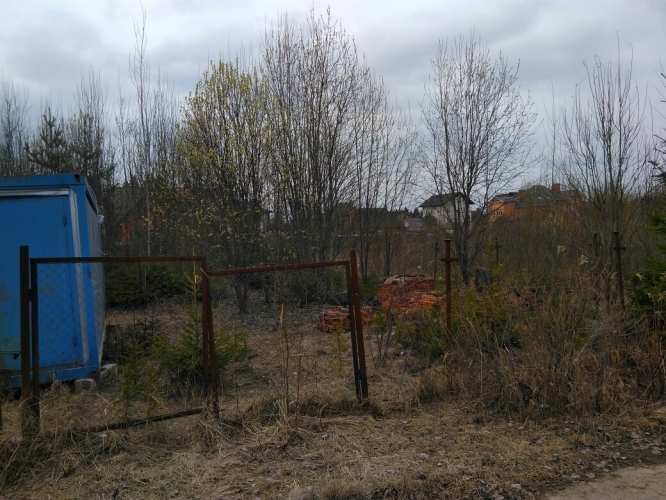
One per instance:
(443,207)
(534,200)
(413,224)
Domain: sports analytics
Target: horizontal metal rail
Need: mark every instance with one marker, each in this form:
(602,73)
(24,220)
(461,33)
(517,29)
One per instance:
(135,422)
(283,267)
(85,260)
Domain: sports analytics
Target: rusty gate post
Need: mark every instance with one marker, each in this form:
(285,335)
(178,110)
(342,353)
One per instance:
(497,259)
(209,339)
(352,326)
(447,260)
(205,332)
(618,252)
(34,340)
(360,346)
(24,283)
(497,248)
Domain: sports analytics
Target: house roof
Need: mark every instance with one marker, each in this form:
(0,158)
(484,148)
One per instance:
(506,197)
(536,195)
(540,195)
(413,223)
(439,200)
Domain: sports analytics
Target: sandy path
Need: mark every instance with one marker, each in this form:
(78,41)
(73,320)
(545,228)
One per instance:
(633,483)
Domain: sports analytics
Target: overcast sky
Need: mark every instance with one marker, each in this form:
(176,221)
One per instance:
(47,45)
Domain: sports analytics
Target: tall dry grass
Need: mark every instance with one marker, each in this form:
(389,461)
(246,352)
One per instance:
(549,352)
(288,414)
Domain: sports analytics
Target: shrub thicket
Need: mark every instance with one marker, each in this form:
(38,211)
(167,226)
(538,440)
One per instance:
(561,354)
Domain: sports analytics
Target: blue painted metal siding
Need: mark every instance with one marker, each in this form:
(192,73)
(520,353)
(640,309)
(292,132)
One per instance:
(56,216)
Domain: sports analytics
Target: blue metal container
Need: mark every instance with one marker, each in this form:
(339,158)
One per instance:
(55,216)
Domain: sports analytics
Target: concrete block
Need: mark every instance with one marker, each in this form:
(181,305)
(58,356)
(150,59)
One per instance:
(111,368)
(84,384)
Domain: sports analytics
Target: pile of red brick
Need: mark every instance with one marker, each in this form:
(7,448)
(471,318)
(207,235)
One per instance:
(398,295)
(404,294)
(337,319)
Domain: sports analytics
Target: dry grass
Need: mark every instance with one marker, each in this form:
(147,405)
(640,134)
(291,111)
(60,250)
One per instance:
(427,451)
(565,355)
(292,429)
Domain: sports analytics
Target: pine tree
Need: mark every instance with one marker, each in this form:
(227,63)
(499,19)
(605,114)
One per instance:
(49,152)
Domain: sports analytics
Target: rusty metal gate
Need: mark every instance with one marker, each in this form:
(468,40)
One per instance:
(354,307)
(62,321)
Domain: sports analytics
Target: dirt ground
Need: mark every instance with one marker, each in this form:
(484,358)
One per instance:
(435,451)
(292,429)
(636,483)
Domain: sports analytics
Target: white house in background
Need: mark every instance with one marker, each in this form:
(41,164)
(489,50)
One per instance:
(444,206)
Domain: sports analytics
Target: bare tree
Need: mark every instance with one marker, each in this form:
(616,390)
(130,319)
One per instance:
(478,135)
(606,154)
(87,135)
(145,145)
(383,161)
(14,129)
(313,73)
(91,153)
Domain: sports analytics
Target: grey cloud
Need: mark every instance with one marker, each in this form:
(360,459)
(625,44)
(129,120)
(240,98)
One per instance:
(48,48)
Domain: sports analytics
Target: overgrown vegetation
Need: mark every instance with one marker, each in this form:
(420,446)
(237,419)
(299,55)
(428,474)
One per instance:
(181,356)
(506,407)
(560,355)
(649,283)
(136,285)
(250,174)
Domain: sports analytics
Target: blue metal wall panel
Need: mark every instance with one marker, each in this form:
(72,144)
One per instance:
(42,223)
(56,216)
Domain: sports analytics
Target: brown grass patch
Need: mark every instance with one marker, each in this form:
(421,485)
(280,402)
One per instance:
(292,428)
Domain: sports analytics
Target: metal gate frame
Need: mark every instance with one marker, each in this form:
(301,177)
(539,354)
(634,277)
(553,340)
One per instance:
(30,387)
(354,306)
(29,295)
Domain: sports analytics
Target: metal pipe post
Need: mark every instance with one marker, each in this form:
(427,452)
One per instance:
(360,346)
(24,284)
(618,254)
(447,260)
(497,247)
(352,328)
(436,255)
(34,316)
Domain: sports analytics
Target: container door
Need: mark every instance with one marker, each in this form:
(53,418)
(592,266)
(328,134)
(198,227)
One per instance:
(44,224)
